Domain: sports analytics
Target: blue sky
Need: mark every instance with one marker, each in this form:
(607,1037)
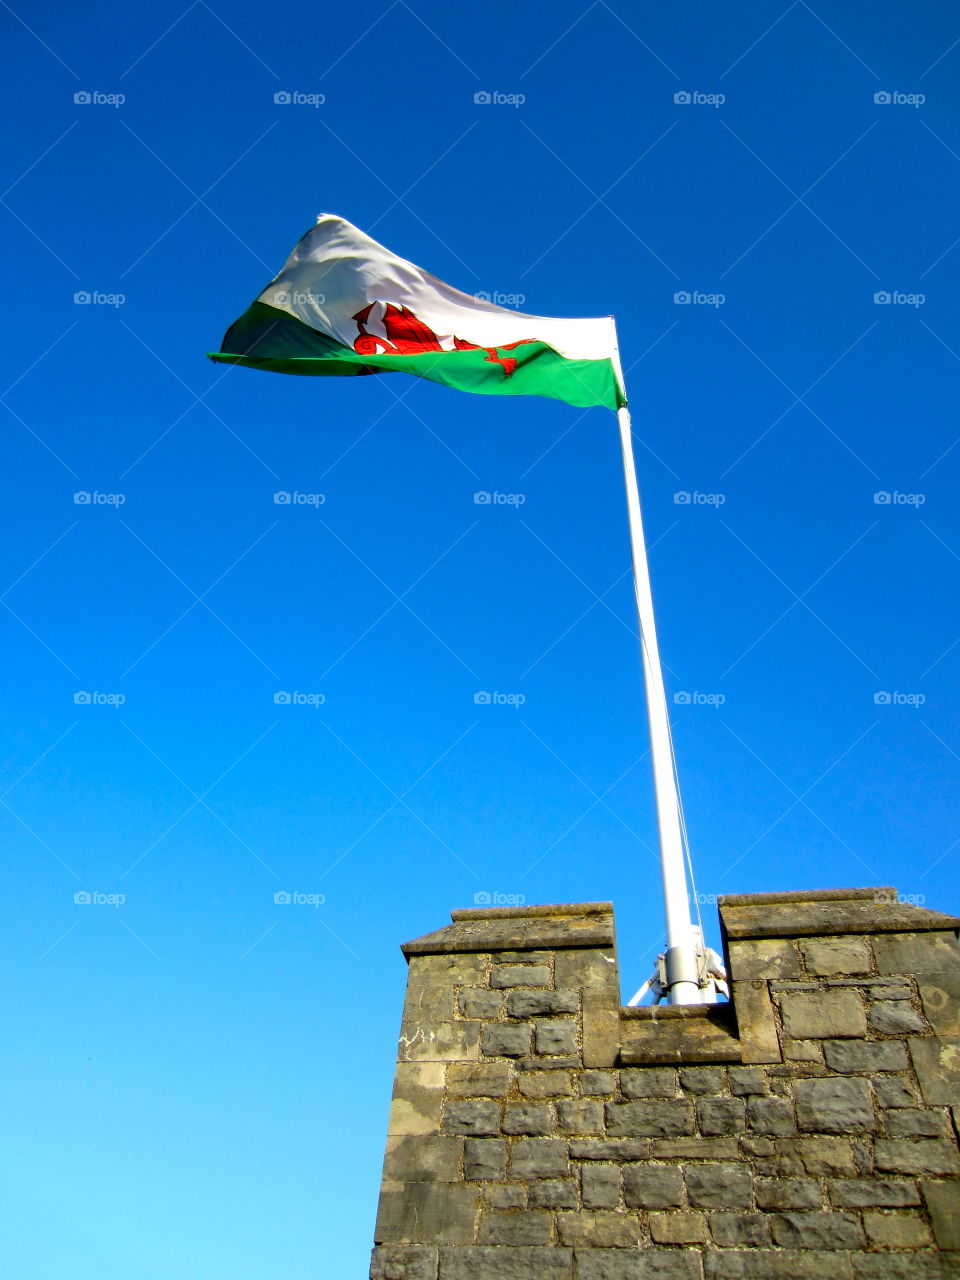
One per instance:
(198,1078)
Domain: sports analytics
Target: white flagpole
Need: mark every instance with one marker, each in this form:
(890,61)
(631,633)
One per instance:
(681,960)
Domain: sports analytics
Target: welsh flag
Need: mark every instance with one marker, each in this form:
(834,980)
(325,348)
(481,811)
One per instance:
(344,305)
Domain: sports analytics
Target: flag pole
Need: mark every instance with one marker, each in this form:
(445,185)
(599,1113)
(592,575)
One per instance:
(681,969)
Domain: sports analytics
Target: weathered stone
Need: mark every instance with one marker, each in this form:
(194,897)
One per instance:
(649,1119)
(916,953)
(764,958)
(545,1084)
(936,1060)
(598,1082)
(821,1157)
(895,1018)
(439,1042)
(836,955)
(891,992)
(943,1204)
(752,1264)
(717,1116)
(601,1229)
(506,1040)
(554,1193)
(528,1118)
(638,1264)
(417,1099)
(756,1024)
(940,997)
(788,1193)
(909,1122)
(679,1227)
(652,1186)
(679,1034)
(494,1262)
(701,1079)
(816,1016)
(694,1149)
(802,1051)
(925,1156)
(904,1266)
(404,1262)
(771,1115)
(600,1186)
(478,1002)
(529,1004)
(835,1106)
(594,974)
(585,1116)
(419,1158)
(750,1230)
(513,1227)
(850,1057)
(648,1082)
(474,1116)
(484,1158)
(817,1231)
(431,981)
(505,1195)
(538,1158)
(522,957)
(521,975)
(881,1193)
(426,1213)
(599,1149)
(480,1080)
(894,1093)
(896,1231)
(719,1186)
(557,1037)
(745,1081)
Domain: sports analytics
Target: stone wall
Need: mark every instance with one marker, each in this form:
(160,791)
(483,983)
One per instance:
(806,1130)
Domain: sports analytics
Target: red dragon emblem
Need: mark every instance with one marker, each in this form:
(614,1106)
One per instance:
(406,334)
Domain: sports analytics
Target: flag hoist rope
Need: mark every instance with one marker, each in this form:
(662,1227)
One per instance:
(682,962)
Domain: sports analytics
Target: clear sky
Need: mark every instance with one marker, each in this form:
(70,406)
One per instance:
(196,1079)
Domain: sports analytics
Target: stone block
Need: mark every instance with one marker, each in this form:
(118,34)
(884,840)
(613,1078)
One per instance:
(553,1193)
(880,1193)
(682,1226)
(719,1186)
(831,956)
(649,1119)
(507,1040)
(493,1262)
(788,1193)
(557,1037)
(694,1149)
(431,981)
(484,1159)
(743,1230)
(820,1157)
(426,1213)
(417,1099)
(745,1081)
(480,1080)
(598,1082)
(771,1116)
(940,997)
(832,1014)
(648,1082)
(851,1057)
(600,1186)
(753,1264)
(817,1231)
(917,953)
(478,1002)
(904,1266)
(404,1262)
(936,1060)
(584,1116)
(802,1051)
(717,1116)
(639,1264)
(594,973)
(545,1084)
(521,975)
(473,1116)
(528,1118)
(937,1156)
(514,1227)
(943,1204)
(420,1158)
(912,1122)
(439,1042)
(756,1024)
(896,1231)
(763,958)
(530,1004)
(895,1018)
(652,1186)
(505,1195)
(538,1158)
(894,1093)
(607,1149)
(835,1106)
(599,1229)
